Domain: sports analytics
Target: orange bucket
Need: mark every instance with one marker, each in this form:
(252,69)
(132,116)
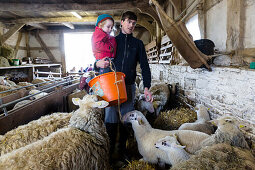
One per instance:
(104,86)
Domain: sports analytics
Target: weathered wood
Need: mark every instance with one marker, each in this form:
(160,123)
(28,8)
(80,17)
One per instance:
(34,48)
(45,48)
(179,36)
(62,52)
(141,21)
(139,35)
(17,45)
(69,25)
(202,19)
(235,24)
(53,102)
(175,5)
(11,31)
(35,7)
(27,44)
(37,26)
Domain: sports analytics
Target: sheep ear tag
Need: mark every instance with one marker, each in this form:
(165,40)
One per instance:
(213,122)
(100,104)
(140,121)
(76,101)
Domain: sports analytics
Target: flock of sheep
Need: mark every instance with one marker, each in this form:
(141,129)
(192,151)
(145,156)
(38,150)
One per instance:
(78,140)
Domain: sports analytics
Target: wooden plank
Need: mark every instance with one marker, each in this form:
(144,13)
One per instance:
(17,45)
(50,103)
(11,31)
(62,52)
(179,36)
(151,45)
(45,48)
(27,44)
(37,26)
(69,25)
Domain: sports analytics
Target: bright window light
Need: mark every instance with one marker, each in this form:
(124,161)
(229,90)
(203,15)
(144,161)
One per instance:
(192,26)
(78,50)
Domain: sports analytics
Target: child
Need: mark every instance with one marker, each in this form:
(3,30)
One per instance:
(103,44)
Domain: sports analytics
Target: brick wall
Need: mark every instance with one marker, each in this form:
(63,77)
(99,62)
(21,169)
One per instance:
(224,90)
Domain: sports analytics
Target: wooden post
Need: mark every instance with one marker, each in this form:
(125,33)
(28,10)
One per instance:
(11,31)
(202,19)
(17,45)
(45,48)
(62,52)
(27,44)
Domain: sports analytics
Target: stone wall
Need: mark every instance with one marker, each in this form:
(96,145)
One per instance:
(224,90)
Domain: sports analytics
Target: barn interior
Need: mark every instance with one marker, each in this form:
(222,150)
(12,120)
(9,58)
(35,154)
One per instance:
(202,50)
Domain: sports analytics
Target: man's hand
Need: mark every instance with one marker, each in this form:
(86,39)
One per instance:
(103,63)
(148,95)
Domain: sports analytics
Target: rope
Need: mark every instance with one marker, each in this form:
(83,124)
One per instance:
(116,83)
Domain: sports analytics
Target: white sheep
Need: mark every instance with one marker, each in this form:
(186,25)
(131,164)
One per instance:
(21,103)
(173,149)
(33,131)
(201,124)
(146,137)
(37,96)
(82,145)
(227,132)
(219,156)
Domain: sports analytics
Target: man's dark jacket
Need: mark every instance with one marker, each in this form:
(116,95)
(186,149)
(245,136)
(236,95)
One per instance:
(131,50)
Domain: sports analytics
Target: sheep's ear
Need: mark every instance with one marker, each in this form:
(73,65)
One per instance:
(214,122)
(76,101)
(100,104)
(180,146)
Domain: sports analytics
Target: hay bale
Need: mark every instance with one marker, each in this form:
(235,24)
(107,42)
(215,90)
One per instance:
(27,84)
(219,156)
(173,119)
(7,51)
(139,165)
(4,62)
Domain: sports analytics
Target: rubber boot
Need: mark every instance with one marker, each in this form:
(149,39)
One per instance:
(124,133)
(111,129)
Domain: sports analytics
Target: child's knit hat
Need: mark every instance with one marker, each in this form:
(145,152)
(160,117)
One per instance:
(103,17)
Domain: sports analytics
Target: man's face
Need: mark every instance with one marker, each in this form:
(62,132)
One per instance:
(128,26)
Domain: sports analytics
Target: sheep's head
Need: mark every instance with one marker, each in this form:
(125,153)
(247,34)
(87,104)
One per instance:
(168,142)
(225,123)
(135,117)
(202,112)
(89,101)
(144,105)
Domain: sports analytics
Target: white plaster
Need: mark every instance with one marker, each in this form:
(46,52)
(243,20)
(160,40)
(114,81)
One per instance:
(216,25)
(249,38)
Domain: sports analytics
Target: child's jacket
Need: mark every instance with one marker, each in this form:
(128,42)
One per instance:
(103,45)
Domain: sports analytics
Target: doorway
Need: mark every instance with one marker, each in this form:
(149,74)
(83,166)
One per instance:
(78,51)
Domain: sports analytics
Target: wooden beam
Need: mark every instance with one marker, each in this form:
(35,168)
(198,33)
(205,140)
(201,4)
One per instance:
(147,9)
(139,35)
(17,45)
(38,26)
(11,31)
(62,52)
(69,25)
(58,20)
(144,23)
(175,5)
(235,24)
(35,7)
(45,48)
(27,44)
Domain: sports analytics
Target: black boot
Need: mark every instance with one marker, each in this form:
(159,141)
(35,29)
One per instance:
(124,133)
(111,129)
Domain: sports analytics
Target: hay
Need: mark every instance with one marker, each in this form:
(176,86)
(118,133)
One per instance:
(173,119)
(4,62)
(7,51)
(219,156)
(139,165)
(27,84)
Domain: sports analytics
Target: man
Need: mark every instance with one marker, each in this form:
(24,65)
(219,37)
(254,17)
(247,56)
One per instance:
(129,51)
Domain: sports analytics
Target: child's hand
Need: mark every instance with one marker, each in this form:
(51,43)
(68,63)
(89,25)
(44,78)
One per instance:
(103,63)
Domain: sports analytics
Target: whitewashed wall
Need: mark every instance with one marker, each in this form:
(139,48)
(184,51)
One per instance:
(224,90)
(249,38)
(216,25)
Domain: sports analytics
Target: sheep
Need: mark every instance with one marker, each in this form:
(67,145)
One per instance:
(201,123)
(173,149)
(27,84)
(84,144)
(146,137)
(31,92)
(219,156)
(33,131)
(21,103)
(144,106)
(227,132)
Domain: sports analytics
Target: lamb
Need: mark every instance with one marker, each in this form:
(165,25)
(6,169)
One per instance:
(227,132)
(27,84)
(144,106)
(37,96)
(146,137)
(33,131)
(175,152)
(201,123)
(82,145)
(219,156)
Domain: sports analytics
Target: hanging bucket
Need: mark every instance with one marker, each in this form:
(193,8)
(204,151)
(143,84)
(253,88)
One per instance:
(105,86)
